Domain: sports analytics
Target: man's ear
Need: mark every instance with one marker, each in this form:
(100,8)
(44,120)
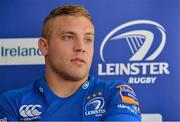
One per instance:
(43,46)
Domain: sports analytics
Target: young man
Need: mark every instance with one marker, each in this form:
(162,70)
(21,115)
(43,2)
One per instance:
(68,92)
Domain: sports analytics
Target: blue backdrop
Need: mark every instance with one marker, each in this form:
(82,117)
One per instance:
(135,40)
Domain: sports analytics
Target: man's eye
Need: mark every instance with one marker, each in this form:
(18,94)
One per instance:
(68,37)
(88,40)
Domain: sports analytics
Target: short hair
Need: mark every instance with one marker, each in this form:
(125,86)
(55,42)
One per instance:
(73,10)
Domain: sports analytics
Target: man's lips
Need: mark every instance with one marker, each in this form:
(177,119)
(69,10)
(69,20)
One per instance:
(78,59)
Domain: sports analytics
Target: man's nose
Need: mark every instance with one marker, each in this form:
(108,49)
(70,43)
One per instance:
(79,46)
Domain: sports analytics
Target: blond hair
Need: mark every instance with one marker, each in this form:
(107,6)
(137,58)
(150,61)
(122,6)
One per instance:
(73,10)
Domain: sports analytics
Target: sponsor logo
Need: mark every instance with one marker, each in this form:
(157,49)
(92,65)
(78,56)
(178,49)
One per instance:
(20,51)
(129,97)
(30,112)
(85,85)
(132,108)
(95,107)
(127,94)
(141,67)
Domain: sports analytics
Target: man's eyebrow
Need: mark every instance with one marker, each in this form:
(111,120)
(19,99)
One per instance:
(68,32)
(89,33)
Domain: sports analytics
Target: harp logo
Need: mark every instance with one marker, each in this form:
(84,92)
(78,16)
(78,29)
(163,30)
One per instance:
(139,41)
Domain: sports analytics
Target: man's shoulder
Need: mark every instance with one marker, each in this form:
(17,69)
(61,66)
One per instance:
(14,94)
(118,97)
(112,88)
(106,86)
(107,83)
(10,100)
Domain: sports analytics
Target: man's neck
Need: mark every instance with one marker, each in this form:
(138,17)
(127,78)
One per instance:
(61,87)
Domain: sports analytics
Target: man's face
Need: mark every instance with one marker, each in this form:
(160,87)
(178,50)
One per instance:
(70,47)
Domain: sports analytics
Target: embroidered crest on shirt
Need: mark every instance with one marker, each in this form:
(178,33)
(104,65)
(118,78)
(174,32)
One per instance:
(95,105)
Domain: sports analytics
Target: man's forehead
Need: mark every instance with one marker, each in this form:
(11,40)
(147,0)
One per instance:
(73,24)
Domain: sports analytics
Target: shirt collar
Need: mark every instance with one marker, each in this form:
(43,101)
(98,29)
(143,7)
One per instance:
(44,90)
